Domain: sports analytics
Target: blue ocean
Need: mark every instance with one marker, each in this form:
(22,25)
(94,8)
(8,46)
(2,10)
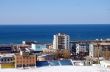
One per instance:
(44,33)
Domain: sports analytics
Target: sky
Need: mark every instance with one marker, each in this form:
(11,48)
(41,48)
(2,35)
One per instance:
(54,11)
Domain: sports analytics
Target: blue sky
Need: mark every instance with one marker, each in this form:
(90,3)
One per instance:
(54,11)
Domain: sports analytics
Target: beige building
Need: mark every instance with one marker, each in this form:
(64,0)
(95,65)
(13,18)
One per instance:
(100,49)
(25,58)
(106,50)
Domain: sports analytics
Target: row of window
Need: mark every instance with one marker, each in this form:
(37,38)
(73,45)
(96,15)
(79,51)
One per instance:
(6,59)
(25,65)
(26,57)
(29,61)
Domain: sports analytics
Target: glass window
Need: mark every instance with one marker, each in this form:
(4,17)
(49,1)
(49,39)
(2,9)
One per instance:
(19,65)
(1,59)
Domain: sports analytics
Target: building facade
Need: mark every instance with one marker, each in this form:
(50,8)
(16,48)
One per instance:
(7,61)
(100,49)
(81,48)
(25,58)
(61,41)
(38,47)
(6,49)
(25,61)
(106,50)
(95,50)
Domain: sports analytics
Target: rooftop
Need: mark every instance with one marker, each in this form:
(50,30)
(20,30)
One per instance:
(7,55)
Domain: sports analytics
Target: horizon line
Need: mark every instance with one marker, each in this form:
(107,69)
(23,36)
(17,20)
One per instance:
(59,24)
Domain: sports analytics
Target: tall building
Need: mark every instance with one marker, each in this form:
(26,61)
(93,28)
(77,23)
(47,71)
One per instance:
(61,41)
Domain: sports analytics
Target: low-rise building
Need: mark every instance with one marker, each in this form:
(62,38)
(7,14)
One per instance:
(5,48)
(95,50)
(7,61)
(38,47)
(82,48)
(100,49)
(25,59)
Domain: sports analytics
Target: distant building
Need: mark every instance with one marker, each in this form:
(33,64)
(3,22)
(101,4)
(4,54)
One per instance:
(61,41)
(73,46)
(95,50)
(38,47)
(100,49)
(106,50)
(25,59)
(6,49)
(79,46)
(28,42)
(7,61)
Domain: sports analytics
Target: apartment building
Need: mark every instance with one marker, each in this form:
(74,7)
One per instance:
(100,49)
(25,59)
(61,41)
(7,61)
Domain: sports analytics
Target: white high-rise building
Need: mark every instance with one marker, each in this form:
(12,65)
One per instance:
(81,47)
(61,41)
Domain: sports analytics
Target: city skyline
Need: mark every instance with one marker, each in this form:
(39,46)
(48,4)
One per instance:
(54,12)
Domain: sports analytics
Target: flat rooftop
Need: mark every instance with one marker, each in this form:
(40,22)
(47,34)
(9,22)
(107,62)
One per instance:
(7,55)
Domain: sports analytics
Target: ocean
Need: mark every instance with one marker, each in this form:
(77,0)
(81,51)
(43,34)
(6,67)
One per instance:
(11,34)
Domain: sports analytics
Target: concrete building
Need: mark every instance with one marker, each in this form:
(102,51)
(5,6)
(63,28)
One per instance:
(95,50)
(106,50)
(82,48)
(100,49)
(5,48)
(7,61)
(61,41)
(38,47)
(25,59)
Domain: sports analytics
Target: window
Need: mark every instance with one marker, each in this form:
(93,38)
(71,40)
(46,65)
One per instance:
(19,65)
(24,65)
(4,59)
(17,61)
(11,59)
(32,65)
(1,59)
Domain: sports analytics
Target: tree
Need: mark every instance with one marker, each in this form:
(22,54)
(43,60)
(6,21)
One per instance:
(66,54)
